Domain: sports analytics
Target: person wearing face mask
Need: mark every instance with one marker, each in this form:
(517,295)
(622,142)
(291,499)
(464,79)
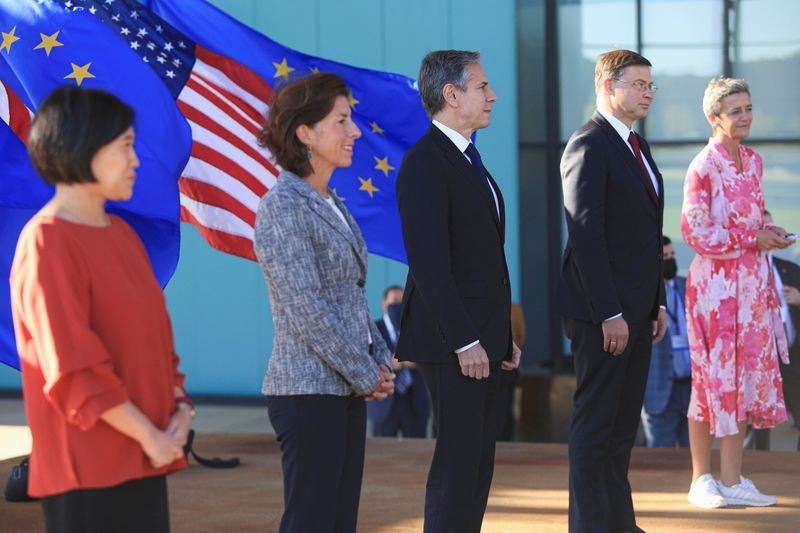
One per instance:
(733,315)
(406,412)
(669,381)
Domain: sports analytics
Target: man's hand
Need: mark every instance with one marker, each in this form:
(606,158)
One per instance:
(791,295)
(660,325)
(516,355)
(615,335)
(474,362)
(385,386)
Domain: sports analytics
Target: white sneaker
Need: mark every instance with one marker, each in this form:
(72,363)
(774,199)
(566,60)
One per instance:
(745,493)
(704,493)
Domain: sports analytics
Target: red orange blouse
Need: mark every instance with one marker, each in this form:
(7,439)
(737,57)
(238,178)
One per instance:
(92,332)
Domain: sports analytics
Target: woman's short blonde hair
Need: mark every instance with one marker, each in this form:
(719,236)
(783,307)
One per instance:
(719,88)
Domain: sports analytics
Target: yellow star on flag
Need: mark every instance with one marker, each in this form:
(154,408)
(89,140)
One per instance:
(336,195)
(351,99)
(375,128)
(367,186)
(282,70)
(383,164)
(9,39)
(315,70)
(48,42)
(79,73)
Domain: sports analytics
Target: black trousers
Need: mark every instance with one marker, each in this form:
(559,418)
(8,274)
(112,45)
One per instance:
(607,408)
(322,441)
(465,413)
(131,507)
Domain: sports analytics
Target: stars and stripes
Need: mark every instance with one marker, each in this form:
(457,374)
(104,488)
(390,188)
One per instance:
(225,104)
(14,113)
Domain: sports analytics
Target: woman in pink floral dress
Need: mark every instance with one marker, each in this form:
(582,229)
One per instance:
(732,312)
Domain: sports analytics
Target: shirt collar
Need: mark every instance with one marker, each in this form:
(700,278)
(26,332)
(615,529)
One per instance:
(620,127)
(457,139)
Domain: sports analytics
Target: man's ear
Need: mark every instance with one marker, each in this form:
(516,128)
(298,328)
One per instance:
(607,86)
(449,93)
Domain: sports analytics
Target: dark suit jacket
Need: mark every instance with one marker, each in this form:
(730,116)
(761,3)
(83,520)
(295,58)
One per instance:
(790,275)
(612,261)
(457,289)
(660,375)
(379,411)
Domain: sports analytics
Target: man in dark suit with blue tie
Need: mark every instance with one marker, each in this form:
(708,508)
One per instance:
(611,289)
(456,322)
(407,410)
(669,381)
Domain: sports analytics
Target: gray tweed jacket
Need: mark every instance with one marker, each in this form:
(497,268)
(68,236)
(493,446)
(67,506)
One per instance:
(315,269)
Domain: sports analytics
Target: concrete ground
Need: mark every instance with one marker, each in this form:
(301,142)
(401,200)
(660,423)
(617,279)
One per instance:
(529,492)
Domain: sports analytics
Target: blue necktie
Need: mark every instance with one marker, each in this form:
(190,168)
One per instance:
(475,159)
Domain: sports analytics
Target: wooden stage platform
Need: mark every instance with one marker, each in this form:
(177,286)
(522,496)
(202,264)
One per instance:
(529,493)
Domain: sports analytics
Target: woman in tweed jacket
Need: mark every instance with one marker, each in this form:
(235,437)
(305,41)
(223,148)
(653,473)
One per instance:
(328,357)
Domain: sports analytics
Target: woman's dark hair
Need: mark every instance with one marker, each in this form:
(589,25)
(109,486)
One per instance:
(305,101)
(68,129)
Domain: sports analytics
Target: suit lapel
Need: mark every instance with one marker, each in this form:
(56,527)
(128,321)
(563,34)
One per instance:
(626,155)
(458,160)
(318,206)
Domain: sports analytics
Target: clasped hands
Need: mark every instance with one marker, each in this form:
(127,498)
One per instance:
(164,447)
(385,386)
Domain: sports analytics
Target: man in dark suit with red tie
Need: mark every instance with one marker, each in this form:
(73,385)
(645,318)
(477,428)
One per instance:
(457,303)
(611,291)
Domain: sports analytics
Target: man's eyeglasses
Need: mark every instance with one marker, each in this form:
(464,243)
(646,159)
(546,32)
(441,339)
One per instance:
(640,86)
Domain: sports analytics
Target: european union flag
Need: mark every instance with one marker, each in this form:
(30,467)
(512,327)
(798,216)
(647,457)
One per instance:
(46,44)
(385,106)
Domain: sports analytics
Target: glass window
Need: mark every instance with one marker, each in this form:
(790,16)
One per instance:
(686,52)
(765,50)
(586,29)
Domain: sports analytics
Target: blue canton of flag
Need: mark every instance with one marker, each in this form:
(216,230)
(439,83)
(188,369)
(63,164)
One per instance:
(46,44)
(385,106)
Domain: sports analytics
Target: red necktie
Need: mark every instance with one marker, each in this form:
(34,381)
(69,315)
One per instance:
(634,142)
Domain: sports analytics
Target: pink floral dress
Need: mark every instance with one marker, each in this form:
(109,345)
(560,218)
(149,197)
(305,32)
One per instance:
(732,308)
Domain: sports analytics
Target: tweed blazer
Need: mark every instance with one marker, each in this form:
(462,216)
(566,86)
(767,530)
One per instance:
(315,269)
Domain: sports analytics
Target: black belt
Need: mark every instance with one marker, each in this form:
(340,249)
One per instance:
(682,380)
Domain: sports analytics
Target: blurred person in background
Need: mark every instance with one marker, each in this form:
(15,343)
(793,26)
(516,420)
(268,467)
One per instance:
(736,334)
(407,411)
(669,381)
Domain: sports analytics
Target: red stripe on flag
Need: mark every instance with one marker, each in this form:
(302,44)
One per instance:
(228,166)
(243,76)
(195,115)
(208,194)
(19,116)
(224,242)
(251,111)
(223,106)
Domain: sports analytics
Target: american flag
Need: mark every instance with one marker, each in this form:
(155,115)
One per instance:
(225,104)
(13,112)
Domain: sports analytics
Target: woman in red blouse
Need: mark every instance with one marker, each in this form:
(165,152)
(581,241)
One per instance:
(103,395)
